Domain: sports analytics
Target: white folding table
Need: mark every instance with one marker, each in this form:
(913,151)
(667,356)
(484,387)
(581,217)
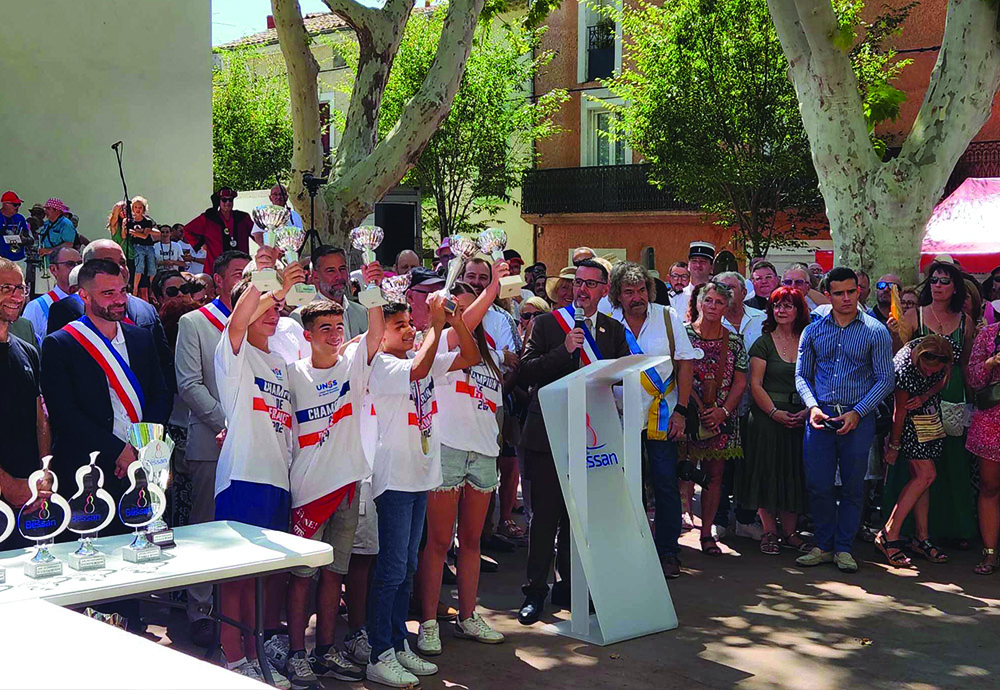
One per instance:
(208,553)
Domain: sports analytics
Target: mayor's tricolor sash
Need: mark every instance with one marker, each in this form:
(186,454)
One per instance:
(217,313)
(565,317)
(121,378)
(658,421)
(47,300)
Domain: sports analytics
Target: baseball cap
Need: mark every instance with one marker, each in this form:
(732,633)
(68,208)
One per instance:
(421,275)
(509,254)
(11,198)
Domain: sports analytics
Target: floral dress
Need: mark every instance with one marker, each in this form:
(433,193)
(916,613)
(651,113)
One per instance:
(984,432)
(725,444)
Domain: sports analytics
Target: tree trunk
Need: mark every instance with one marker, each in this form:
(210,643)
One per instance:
(363,170)
(877,211)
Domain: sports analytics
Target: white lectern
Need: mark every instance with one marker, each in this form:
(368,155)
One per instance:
(612,550)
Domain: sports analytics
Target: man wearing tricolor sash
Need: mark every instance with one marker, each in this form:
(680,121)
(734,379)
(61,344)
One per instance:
(61,263)
(654,329)
(198,334)
(99,376)
(550,355)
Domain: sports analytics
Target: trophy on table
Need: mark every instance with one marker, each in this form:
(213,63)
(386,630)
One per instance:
(365,238)
(7,522)
(91,510)
(155,448)
(270,217)
(289,239)
(41,520)
(492,242)
(462,249)
(140,506)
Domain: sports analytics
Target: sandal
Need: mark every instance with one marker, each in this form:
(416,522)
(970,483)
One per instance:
(892,550)
(926,549)
(984,568)
(769,544)
(710,547)
(512,530)
(795,541)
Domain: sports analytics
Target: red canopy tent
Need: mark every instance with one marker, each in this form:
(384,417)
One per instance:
(966,226)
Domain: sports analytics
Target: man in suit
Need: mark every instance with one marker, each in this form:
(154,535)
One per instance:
(141,313)
(550,355)
(92,410)
(198,334)
(331,278)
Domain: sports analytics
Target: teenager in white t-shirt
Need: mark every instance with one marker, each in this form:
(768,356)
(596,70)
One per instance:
(251,481)
(328,393)
(407,464)
(468,403)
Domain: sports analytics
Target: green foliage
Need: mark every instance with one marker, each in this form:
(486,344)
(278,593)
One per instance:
(251,121)
(709,105)
(480,152)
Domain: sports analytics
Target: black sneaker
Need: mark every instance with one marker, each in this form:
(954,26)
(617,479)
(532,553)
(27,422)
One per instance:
(332,665)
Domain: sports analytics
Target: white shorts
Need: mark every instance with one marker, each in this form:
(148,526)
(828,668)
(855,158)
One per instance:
(366,536)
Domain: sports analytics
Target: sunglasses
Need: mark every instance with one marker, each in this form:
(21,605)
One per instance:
(185,289)
(937,281)
(528,315)
(931,357)
(882,285)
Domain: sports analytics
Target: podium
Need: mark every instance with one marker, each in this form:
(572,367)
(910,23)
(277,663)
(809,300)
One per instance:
(613,556)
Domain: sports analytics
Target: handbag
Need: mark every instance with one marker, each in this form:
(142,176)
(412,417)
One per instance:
(928,427)
(988,397)
(954,417)
(693,427)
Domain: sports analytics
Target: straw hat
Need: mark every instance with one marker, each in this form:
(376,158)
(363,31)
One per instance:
(552,282)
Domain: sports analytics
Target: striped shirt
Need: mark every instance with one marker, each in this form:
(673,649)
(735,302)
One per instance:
(849,365)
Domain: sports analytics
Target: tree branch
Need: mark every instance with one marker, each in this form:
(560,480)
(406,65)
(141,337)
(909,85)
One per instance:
(359,17)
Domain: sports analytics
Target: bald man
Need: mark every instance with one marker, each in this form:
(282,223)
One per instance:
(278,197)
(406,261)
(883,296)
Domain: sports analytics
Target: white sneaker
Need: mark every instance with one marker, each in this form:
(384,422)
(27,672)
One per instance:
(413,663)
(279,680)
(753,531)
(388,671)
(475,628)
(357,648)
(429,638)
(277,648)
(250,671)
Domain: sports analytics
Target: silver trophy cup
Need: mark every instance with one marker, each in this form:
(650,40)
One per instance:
(270,217)
(365,239)
(492,242)
(462,249)
(289,239)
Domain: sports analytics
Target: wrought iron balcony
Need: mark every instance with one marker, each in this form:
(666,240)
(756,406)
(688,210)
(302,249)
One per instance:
(981,159)
(597,189)
(600,52)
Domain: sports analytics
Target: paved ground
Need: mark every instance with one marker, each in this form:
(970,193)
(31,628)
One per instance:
(752,621)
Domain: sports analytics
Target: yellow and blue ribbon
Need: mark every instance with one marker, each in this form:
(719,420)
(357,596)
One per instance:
(658,421)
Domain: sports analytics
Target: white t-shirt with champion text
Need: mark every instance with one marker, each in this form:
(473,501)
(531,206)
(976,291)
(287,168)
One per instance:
(468,400)
(402,408)
(326,425)
(253,392)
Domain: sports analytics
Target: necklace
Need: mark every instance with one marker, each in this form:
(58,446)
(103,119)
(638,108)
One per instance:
(786,345)
(940,323)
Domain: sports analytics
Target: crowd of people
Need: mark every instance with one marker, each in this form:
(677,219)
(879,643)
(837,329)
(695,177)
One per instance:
(402,435)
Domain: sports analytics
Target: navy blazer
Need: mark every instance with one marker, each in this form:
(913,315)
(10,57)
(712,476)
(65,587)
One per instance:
(142,314)
(76,394)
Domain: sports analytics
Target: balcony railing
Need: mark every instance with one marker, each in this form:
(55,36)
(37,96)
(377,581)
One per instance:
(597,189)
(600,52)
(981,159)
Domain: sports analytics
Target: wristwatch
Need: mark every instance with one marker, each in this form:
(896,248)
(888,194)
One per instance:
(681,410)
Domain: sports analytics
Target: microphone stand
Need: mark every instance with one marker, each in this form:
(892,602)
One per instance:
(128,204)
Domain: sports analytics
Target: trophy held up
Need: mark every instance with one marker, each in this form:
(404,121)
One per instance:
(462,249)
(492,242)
(365,239)
(289,239)
(270,217)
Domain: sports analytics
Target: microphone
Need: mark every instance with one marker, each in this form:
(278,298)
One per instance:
(115,146)
(578,321)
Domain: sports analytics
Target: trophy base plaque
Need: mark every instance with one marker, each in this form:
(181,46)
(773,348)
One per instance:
(372,297)
(79,561)
(266,280)
(163,538)
(510,286)
(147,553)
(40,569)
(300,295)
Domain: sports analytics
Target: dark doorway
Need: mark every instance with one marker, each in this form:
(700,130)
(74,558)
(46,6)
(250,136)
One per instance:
(399,222)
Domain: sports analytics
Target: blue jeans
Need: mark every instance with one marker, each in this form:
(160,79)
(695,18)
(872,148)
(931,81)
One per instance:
(663,468)
(400,525)
(823,452)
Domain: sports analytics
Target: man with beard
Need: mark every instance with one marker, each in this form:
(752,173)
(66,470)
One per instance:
(330,276)
(883,296)
(652,329)
(99,376)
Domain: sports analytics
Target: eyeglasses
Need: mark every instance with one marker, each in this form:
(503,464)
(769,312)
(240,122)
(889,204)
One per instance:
(9,289)
(883,284)
(783,306)
(931,357)
(797,283)
(935,281)
(676,276)
(591,284)
(71,263)
(528,315)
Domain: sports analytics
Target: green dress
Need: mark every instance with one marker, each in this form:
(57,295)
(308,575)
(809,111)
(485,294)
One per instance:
(952,513)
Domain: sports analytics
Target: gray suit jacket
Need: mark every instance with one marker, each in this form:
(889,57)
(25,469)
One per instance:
(194,362)
(355,320)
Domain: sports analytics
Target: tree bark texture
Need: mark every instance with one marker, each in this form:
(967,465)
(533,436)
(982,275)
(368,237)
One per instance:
(364,169)
(877,210)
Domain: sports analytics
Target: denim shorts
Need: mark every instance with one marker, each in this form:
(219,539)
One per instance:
(461,467)
(145,259)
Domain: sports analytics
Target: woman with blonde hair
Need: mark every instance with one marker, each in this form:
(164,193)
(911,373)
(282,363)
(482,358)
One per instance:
(922,367)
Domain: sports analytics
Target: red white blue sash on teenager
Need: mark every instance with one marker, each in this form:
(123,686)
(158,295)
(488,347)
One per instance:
(47,300)
(658,421)
(566,318)
(121,378)
(217,313)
